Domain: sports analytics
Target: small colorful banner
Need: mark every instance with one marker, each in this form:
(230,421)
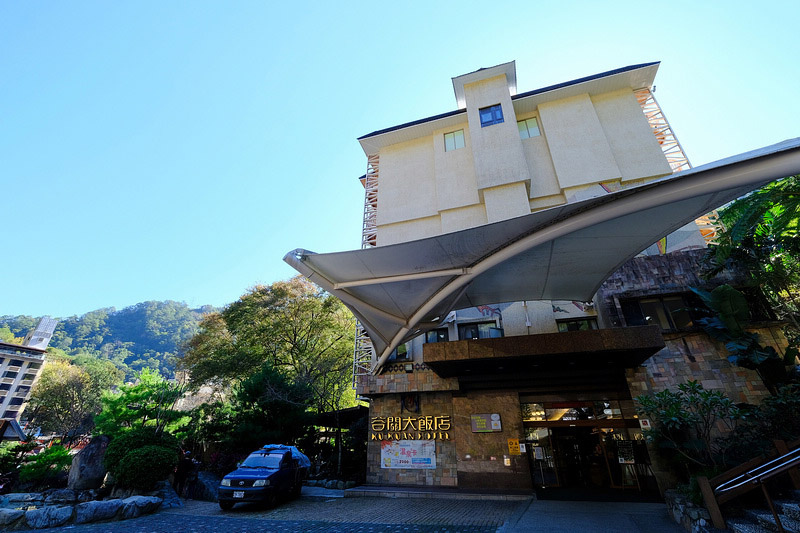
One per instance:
(415,454)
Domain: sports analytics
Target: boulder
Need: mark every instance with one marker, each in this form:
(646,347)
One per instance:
(87,471)
(121,493)
(9,516)
(96,511)
(24,499)
(169,498)
(48,517)
(139,505)
(206,487)
(60,497)
(88,495)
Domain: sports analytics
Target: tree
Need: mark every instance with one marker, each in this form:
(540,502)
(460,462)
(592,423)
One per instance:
(731,316)
(148,403)
(760,237)
(687,421)
(64,400)
(265,407)
(291,326)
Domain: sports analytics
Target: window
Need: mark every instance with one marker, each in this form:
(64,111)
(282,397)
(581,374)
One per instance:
(437,335)
(15,362)
(29,377)
(15,401)
(576,324)
(491,115)
(528,128)
(9,374)
(401,353)
(453,140)
(480,330)
(5,386)
(670,312)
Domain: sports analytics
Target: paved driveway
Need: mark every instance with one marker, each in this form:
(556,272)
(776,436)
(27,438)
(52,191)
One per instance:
(320,513)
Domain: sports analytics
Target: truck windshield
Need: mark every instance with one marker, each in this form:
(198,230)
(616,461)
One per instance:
(258,460)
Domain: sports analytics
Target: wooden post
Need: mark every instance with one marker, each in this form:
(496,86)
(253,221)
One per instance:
(711,502)
(783,449)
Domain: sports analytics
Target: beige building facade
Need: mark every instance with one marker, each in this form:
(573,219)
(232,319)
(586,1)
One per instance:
(535,394)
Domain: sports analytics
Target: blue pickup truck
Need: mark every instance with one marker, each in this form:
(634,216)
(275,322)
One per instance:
(272,472)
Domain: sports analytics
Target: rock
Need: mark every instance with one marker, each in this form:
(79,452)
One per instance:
(139,505)
(122,492)
(349,484)
(48,517)
(87,470)
(87,495)
(9,516)
(169,498)
(97,511)
(109,480)
(340,485)
(60,497)
(331,484)
(24,499)
(206,487)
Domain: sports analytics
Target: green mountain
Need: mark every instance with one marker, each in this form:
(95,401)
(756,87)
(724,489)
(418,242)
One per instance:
(148,334)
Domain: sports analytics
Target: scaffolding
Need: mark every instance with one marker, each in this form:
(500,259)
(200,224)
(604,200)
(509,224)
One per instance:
(363,353)
(709,224)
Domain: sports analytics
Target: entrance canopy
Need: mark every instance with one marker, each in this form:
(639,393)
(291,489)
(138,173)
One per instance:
(563,253)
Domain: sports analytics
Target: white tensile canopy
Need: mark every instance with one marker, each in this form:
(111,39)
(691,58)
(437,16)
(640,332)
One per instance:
(563,253)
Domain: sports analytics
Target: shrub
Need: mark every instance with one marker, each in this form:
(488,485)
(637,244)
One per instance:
(687,421)
(134,439)
(47,465)
(778,417)
(12,455)
(143,467)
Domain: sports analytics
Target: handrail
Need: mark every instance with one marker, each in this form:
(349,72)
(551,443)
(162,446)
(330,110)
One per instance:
(754,477)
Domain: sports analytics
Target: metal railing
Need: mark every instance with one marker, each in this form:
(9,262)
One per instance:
(747,477)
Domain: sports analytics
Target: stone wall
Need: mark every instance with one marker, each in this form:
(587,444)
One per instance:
(695,356)
(430,404)
(395,379)
(481,455)
(652,275)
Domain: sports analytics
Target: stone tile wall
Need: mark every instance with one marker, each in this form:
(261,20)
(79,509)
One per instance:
(695,356)
(485,467)
(445,473)
(397,380)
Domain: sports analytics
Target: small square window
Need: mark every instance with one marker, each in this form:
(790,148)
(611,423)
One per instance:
(437,335)
(576,324)
(453,140)
(491,115)
(528,128)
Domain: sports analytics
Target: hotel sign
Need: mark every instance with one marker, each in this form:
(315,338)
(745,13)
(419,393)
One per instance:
(410,428)
(486,423)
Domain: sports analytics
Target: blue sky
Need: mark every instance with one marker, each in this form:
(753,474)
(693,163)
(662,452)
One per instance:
(177,150)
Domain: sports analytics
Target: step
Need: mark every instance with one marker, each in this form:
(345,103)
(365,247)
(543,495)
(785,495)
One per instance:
(767,521)
(790,508)
(742,525)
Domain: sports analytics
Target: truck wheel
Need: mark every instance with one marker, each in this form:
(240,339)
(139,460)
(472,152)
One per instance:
(226,506)
(272,499)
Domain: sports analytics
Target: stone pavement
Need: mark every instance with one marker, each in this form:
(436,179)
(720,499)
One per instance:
(591,517)
(326,511)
